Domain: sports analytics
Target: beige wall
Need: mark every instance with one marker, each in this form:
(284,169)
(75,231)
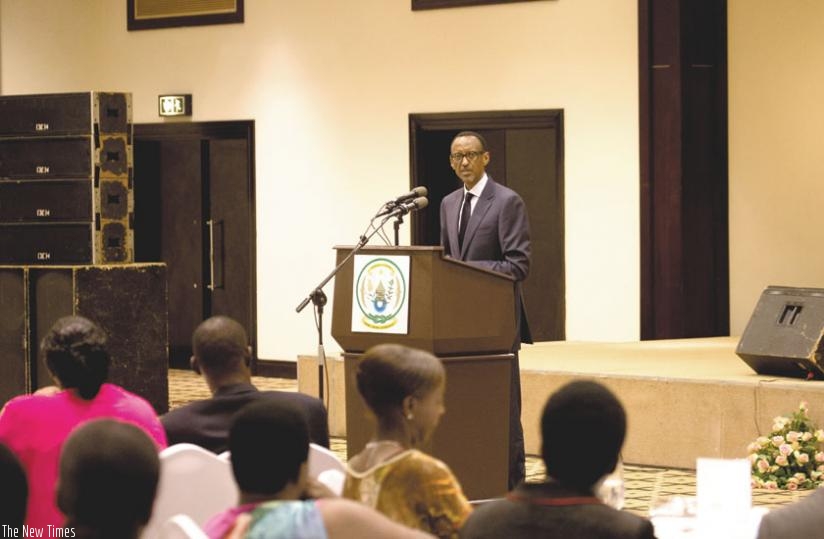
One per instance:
(776,112)
(330,83)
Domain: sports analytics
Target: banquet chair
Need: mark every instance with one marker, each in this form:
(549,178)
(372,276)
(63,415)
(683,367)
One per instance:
(182,527)
(326,467)
(194,482)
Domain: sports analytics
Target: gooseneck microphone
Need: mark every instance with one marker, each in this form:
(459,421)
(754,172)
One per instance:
(413,205)
(418,192)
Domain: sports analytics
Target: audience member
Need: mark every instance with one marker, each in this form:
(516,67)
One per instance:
(800,519)
(36,426)
(221,354)
(15,490)
(582,427)
(269,444)
(404,389)
(108,478)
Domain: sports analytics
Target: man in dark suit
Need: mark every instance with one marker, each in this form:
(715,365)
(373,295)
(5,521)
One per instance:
(486,224)
(221,355)
(582,428)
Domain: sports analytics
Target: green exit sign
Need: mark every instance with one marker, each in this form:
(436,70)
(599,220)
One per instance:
(174,105)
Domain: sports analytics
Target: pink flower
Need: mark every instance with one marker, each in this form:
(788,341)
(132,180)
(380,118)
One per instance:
(792,486)
(806,437)
(820,468)
(777,440)
(793,436)
(753,447)
(802,458)
(763,465)
(781,460)
(785,449)
(772,485)
(819,457)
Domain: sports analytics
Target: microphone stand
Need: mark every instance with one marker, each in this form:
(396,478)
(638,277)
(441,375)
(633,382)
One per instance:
(318,297)
(397,225)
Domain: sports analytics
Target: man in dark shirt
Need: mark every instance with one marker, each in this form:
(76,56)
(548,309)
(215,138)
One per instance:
(582,427)
(221,355)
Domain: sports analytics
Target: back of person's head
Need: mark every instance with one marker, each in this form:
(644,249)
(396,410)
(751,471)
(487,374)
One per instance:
(14,487)
(582,427)
(75,353)
(388,373)
(220,345)
(268,441)
(108,479)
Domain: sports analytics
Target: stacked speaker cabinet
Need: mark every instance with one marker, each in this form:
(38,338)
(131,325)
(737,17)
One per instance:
(66,179)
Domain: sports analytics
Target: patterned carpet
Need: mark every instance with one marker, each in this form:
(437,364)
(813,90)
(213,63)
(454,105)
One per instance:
(643,485)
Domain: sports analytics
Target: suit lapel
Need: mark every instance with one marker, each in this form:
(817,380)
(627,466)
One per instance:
(452,212)
(478,215)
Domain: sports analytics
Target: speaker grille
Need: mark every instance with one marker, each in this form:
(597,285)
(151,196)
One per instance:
(159,9)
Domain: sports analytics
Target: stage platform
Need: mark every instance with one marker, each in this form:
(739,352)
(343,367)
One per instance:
(685,398)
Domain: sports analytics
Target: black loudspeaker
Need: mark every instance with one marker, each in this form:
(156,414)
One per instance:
(128,301)
(14,367)
(784,334)
(66,166)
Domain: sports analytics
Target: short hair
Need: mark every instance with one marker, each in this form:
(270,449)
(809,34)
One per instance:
(220,344)
(109,472)
(15,489)
(388,373)
(75,353)
(481,139)
(268,442)
(582,428)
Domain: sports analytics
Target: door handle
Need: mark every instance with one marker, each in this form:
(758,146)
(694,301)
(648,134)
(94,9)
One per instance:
(216,280)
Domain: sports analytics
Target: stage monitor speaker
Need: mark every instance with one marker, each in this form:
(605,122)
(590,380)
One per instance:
(784,334)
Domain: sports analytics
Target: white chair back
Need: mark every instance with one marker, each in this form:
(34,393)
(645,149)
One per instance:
(182,527)
(326,467)
(193,482)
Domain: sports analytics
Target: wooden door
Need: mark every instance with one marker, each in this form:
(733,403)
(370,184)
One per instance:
(194,210)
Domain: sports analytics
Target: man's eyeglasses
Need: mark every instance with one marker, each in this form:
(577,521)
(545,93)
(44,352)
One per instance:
(459,157)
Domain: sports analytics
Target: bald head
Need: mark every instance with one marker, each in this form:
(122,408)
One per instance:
(220,346)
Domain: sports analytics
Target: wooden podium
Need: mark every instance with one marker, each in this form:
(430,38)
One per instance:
(465,315)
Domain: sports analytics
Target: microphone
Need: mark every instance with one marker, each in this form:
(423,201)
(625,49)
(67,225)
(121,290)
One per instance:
(419,191)
(413,205)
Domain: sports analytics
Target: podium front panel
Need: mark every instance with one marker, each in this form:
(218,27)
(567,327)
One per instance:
(473,436)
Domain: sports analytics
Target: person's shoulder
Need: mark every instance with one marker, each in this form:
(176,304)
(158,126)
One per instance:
(490,519)
(297,398)
(624,523)
(502,190)
(802,517)
(182,414)
(119,396)
(23,405)
(420,464)
(457,193)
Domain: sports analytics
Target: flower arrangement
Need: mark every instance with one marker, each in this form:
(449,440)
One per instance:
(790,457)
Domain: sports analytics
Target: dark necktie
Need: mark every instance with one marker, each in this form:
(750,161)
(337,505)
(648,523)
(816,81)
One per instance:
(466,211)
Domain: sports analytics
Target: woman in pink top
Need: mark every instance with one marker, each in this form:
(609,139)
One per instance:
(35,426)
